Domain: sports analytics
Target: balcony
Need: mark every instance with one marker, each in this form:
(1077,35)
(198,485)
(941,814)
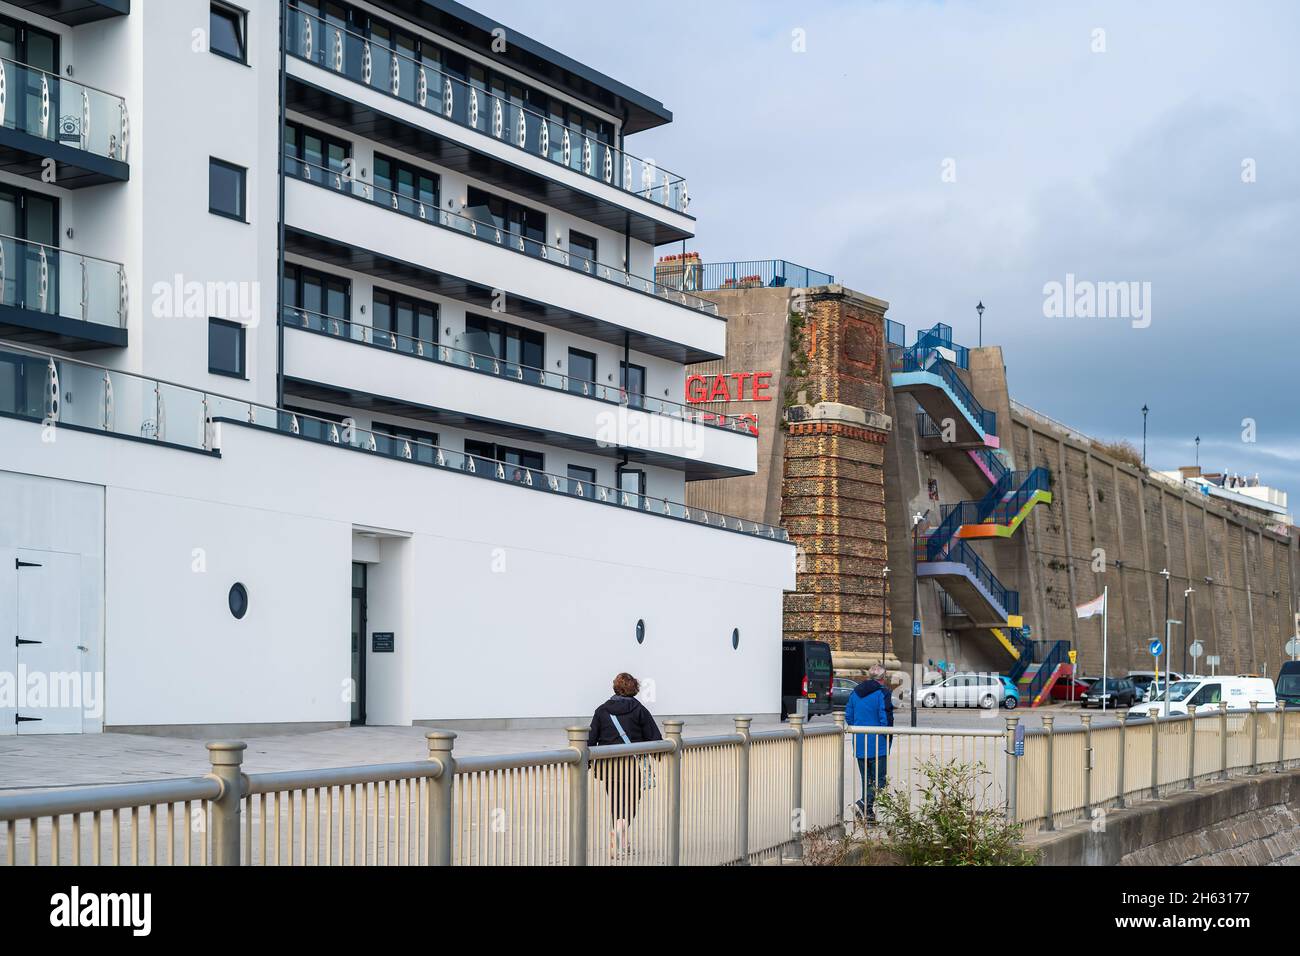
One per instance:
(343,78)
(361,367)
(359,226)
(85,131)
(52,298)
(90,398)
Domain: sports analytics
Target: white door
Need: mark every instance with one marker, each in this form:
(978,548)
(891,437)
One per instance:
(49,655)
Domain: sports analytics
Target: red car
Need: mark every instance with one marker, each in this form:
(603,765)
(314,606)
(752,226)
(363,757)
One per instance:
(1070,688)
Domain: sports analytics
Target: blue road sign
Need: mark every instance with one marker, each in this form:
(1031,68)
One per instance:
(1156,647)
(916,628)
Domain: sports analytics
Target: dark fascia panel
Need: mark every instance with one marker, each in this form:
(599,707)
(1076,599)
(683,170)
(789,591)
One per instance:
(534,59)
(23,153)
(42,330)
(381,405)
(75,12)
(354,258)
(328,107)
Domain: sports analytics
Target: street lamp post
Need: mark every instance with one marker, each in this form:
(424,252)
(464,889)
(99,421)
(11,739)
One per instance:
(1165,574)
(1186,623)
(884,599)
(1198,451)
(980,309)
(916,612)
(1144,439)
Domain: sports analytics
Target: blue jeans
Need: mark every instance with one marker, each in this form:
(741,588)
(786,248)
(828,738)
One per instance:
(874,770)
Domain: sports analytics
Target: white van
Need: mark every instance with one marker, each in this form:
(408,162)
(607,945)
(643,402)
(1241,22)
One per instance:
(1208,692)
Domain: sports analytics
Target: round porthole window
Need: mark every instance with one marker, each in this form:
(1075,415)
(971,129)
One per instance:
(640,632)
(238,600)
(735,638)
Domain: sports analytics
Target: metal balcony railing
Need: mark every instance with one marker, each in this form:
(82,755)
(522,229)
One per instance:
(54,281)
(928,358)
(63,111)
(393,73)
(388,341)
(338,180)
(65,392)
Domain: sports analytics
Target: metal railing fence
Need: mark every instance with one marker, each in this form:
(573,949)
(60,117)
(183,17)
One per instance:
(734,798)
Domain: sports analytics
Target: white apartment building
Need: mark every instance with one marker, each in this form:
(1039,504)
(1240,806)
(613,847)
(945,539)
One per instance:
(335,385)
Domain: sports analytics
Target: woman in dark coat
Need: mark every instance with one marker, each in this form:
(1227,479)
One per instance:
(622,719)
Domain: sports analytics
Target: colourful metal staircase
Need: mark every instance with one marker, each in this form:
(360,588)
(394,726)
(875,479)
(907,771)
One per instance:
(926,371)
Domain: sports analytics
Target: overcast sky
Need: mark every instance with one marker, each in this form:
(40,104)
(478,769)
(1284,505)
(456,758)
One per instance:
(1122,164)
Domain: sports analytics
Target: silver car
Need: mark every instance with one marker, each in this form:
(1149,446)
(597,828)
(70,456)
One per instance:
(964,690)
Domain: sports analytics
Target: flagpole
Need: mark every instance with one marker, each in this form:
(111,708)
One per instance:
(1105,615)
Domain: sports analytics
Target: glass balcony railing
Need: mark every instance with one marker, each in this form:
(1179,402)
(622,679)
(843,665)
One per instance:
(526,374)
(393,73)
(338,180)
(58,282)
(64,392)
(63,111)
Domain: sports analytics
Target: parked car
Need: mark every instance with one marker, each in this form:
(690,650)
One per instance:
(1071,688)
(1113,691)
(1237,692)
(841,687)
(1145,679)
(1011,693)
(1288,683)
(966,690)
(805,675)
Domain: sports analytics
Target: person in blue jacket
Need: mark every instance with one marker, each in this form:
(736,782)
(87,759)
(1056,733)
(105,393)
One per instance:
(871,705)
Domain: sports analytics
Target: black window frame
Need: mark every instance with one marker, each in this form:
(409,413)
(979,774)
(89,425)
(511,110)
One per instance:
(295,281)
(294,160)
(242,372)
(487,451)
(396,299)
(239,17)
(243,190)
(588,477)
(527,338)
(586,242)
(383,193)
(595,369)
(634,399)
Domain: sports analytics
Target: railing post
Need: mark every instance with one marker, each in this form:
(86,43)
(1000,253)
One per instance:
(1155,753)
(1049,773)
(441,796)
(227,757)
(1281,734)
(1191,746)
(1087,765)
(839,767)
(1122,717)
(578,796)
(1254,736)
(1223,740)
(796,724)
(673,732)
(742,790)
(1013,769)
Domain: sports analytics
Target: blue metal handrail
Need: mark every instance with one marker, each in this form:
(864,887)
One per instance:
(923,358)
(1051,660)
(962,553)
(1039,479)
(992,461)
(773,273)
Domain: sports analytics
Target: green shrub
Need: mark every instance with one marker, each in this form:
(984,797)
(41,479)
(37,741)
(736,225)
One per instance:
(947,827)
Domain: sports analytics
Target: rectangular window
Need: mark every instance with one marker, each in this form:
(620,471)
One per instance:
(227,32)
(520,222)
(581,481)
(582,251)
(226,348)
(410,320)
(632,380)
(582,372)
(227,189)
(519,350)
(405,188)
(400,439)
(318,157)
(316,300)
(516,461)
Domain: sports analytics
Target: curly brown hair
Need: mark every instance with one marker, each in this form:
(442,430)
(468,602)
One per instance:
(625,685)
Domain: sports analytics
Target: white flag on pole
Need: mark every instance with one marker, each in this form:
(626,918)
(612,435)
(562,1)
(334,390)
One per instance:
(1092,608)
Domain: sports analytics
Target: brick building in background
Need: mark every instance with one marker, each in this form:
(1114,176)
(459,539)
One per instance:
(822,432)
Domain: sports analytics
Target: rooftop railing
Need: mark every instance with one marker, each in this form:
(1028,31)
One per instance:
(65,392)
(63,111)
(54,281)
(389,341)
(424,85)
(338,180)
